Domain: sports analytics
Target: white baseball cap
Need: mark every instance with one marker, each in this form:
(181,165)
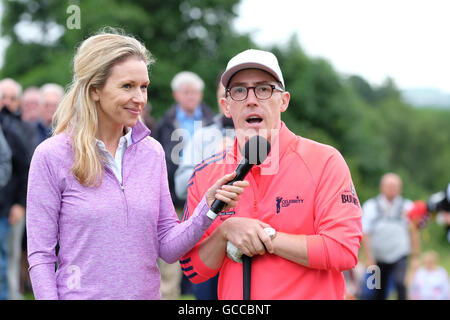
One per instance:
(253,59)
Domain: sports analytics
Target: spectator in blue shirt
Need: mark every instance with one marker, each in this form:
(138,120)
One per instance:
(186,116)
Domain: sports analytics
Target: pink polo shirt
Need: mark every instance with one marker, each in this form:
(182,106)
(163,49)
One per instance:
(306,190)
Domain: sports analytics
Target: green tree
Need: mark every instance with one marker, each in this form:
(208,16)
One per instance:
(321,103)
(400,138)
(363,88)
(194,35)
(370,125)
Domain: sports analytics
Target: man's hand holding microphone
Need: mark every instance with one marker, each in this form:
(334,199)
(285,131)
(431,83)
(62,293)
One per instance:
(242,235)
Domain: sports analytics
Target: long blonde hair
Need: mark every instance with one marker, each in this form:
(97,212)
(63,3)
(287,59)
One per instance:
(77,113)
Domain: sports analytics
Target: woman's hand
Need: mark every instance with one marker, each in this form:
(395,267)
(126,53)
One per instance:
(16,214)
(228,194)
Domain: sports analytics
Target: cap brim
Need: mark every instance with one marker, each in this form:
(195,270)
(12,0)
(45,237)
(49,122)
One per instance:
(228,74)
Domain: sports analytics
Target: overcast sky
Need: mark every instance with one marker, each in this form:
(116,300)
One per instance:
(408,40)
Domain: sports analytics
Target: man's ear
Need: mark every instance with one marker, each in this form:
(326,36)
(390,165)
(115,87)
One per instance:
(225,107)
(285,98)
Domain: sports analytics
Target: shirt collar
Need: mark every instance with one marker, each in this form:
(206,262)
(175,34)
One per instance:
(126,139)
(138,133)
(386,205)
(283,141)
(182,115)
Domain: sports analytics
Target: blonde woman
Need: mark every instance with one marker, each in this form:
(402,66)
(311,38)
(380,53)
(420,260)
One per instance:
(98,188)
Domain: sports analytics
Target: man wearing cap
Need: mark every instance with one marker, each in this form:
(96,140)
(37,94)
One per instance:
(303,193)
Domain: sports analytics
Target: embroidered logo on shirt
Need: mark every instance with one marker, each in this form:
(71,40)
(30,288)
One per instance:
(283,203)
(350,198)
(226,214)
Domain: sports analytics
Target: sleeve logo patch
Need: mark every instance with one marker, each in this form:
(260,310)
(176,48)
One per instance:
(349,196)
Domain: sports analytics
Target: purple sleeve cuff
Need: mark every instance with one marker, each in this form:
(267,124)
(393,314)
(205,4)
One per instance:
(43,280)
(184,236)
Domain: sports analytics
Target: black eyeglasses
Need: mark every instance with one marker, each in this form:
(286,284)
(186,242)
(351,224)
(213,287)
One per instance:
(262,91)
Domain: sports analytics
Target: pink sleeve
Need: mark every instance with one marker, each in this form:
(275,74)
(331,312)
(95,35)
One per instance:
(338,230)
(194,268)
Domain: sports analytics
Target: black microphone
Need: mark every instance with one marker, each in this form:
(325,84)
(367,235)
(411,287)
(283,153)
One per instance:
(255,152)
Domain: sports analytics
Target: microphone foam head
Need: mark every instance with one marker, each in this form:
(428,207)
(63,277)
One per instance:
(256,150)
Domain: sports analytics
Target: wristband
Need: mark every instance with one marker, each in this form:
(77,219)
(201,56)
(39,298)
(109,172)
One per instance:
(271,232)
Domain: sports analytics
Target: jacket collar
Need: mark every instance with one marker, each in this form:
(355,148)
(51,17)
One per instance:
(181,115)
(7,112)
(139,132)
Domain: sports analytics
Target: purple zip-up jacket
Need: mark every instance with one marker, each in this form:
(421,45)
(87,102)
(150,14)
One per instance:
(109,236)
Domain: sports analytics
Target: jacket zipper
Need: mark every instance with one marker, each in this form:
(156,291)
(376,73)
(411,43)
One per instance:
(122,184)
(122,188)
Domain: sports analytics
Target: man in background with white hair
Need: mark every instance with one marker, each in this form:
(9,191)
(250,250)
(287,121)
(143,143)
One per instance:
(51,94)
(173,131)
(31,105)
